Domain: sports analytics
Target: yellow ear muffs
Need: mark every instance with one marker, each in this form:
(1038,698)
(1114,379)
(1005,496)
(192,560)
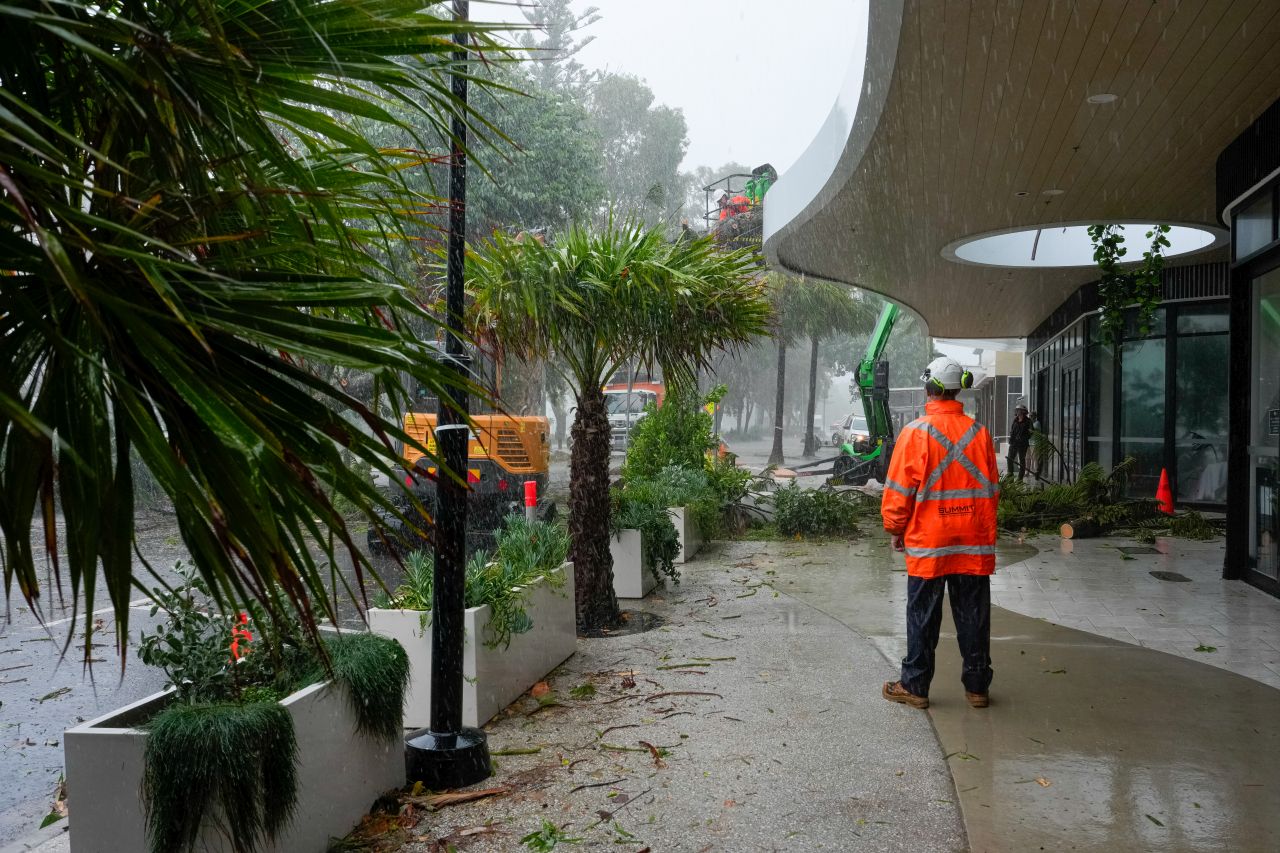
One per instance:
(966,380)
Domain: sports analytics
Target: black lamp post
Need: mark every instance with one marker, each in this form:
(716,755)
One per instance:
(446,755)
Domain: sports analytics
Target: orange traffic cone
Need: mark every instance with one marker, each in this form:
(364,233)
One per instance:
(1164,495)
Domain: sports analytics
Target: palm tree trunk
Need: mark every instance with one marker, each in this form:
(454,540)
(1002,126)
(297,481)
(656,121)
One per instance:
(779,408)
(810,449)
(597,607)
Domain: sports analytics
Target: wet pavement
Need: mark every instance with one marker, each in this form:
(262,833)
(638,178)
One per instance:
(43,693)
(761,694)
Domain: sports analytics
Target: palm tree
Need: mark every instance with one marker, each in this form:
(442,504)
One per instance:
(821,309)
(600,299)
(782,290)
(191,226)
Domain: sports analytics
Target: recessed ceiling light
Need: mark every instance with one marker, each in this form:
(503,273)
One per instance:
(1102,98)
(1053,192)
(1022,194)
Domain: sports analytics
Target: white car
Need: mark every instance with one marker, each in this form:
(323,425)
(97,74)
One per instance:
(852,428)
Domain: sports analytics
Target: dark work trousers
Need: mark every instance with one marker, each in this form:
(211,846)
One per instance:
(970,608)
(1018,456)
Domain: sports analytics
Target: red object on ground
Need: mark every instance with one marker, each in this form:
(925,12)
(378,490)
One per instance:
(530,493)
(1164,495)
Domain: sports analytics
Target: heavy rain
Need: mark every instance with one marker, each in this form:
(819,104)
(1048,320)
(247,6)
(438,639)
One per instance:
(712,426)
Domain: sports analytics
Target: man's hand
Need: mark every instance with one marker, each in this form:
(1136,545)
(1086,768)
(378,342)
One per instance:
(899,542)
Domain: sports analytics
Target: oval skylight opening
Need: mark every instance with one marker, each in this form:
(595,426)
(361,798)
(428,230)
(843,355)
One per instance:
(1068,245)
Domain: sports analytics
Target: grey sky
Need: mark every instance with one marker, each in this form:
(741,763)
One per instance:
(755,78)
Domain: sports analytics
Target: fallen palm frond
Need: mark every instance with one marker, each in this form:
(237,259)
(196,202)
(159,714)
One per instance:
(1097,496)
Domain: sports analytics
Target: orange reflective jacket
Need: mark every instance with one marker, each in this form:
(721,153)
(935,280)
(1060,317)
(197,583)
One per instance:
(942,493)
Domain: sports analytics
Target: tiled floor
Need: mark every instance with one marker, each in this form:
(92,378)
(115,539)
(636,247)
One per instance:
(1089,585)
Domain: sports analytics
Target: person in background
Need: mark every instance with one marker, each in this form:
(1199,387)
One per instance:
(1019,441)
(939,505)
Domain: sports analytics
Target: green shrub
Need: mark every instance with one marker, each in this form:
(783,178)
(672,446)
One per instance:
(637,507)
(812,512)
(525,552)
(678,433)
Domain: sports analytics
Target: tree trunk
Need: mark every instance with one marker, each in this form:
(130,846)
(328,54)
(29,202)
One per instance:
(779,407)
(562,418)
(597,607)
(1081,528)
(810,447)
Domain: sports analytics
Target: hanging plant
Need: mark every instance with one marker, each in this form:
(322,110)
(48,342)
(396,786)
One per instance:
(1119,288)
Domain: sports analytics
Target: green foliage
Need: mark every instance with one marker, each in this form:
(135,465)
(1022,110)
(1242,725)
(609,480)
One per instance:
(374,673)
(1096,494)
(679,433)
(813,512)
(547,837)
(1192,525)
(525,552)
(1121,288)
(195,227)
(640,507)
(194,647)
(235,761)
(224,741)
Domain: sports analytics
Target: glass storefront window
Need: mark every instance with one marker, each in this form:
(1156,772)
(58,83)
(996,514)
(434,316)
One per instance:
(1253,226)
(1264,446)
(1200,428)
(1203,318)
(1142,405)
(1100,405)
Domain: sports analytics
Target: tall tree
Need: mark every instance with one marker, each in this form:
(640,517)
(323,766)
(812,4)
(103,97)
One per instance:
(643,145)
(820,309)
(554,42)
(783,292)
(600,299)
(189,214)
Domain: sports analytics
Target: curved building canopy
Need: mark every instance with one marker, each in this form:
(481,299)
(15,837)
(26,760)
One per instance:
(973,139)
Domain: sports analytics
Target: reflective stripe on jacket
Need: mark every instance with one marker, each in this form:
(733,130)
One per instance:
(942,493)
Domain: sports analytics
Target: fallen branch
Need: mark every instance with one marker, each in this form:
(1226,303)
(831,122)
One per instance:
(615,728)
(435,802)
(530,750)
(682,693)
(596,785)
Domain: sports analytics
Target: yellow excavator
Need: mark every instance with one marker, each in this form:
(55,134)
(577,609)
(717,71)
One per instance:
(504,452)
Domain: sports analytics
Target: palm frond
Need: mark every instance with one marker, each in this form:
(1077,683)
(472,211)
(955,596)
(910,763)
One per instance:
(192,225)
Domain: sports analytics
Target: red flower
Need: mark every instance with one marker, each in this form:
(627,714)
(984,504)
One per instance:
(239,634)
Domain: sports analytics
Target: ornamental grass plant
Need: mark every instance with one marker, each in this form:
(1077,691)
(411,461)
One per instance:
(525,553)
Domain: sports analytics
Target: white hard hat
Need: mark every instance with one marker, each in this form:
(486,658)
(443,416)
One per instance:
(946,373)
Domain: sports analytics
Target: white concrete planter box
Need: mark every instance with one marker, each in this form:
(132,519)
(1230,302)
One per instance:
(341,772)
(491,678)
(686,531)
(631,577)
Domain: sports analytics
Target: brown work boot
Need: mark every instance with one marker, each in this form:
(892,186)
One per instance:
(895,692)
(977,700)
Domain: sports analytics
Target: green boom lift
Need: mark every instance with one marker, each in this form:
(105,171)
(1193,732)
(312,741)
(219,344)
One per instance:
(860,462)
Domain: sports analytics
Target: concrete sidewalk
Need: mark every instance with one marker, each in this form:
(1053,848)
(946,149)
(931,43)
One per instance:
(767,719)
(752,719)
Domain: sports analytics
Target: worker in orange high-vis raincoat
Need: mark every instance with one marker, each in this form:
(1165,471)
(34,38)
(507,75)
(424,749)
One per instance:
(940,507)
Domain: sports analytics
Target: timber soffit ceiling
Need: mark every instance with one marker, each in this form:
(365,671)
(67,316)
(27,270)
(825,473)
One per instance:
(983,109)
